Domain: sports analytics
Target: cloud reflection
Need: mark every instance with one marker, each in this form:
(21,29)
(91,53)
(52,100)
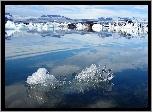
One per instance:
(16,97)
(36,45)
(118,58)
(64,70)
(102,104)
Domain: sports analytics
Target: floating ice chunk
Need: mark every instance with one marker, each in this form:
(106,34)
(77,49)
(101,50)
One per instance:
(110,76)
(10,25)
(41,77)
(87,73)
(93,74)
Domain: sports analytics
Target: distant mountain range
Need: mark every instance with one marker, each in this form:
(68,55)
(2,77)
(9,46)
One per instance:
(58,18)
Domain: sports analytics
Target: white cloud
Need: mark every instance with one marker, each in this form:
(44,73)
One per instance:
(143,7)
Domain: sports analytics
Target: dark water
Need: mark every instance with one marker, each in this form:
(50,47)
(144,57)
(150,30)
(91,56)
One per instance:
(66,53)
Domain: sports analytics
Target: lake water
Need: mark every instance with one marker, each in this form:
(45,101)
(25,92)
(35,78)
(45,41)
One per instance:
(65,53)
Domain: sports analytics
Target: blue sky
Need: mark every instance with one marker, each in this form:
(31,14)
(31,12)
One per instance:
(80,11)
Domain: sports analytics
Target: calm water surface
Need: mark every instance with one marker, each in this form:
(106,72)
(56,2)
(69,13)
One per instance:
(66,53)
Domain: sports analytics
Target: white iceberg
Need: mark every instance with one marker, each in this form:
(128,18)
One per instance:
(41,77)
(87,73)
(10,25)
(94,73)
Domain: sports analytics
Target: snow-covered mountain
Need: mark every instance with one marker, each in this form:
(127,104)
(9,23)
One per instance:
(43,18)
(59,18)
(16,18)
(8,16)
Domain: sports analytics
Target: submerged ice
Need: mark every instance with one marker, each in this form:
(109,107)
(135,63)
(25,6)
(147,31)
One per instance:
(41,84)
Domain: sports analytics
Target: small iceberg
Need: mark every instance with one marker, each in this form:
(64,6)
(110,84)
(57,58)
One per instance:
(41,77)
(94,73)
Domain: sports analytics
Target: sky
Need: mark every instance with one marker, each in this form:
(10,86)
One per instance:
(80,11)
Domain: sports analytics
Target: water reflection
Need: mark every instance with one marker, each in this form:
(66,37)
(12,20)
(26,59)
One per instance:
(16,97)
(69,40)
(61,32)
(43,94)
(67,53)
